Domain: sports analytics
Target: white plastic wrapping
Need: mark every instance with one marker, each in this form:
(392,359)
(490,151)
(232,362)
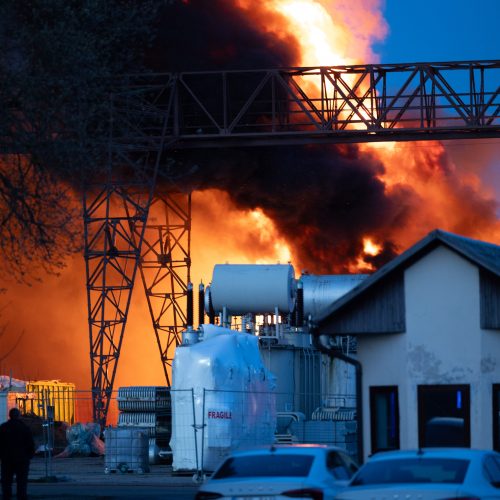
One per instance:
(223,383)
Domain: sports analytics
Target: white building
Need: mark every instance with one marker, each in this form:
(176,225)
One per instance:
(428,330)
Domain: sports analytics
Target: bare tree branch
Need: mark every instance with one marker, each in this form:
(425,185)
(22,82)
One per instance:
(57,63)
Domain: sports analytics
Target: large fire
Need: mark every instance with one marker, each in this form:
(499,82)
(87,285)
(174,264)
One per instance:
(399,193)
(432,192)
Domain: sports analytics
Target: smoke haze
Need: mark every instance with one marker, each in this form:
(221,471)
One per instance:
(320,201)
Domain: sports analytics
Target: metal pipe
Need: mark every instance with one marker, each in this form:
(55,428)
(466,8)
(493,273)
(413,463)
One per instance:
(189,312)
(211,312)
(277,321)
(224,317)
(332,353)
(201,304)
(300,305)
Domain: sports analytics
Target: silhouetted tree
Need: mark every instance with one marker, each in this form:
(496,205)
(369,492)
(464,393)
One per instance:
(58,61)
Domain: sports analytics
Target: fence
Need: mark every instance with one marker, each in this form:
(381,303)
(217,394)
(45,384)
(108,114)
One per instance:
(205,425)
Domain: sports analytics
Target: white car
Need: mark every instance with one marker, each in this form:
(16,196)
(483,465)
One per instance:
(427,474)
(280,472)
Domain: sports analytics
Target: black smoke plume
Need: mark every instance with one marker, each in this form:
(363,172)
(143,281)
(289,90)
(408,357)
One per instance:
(323,199)
(201,35)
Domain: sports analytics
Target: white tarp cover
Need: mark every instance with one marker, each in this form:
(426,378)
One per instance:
(225,381)
(14,384)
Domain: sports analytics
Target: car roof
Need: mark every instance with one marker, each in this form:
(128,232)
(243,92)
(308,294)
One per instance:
(432,453)
(286,448)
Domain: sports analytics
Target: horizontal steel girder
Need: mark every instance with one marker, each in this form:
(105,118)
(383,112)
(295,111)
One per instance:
(360,103)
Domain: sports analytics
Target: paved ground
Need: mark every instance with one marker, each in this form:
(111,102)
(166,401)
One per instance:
(85,478)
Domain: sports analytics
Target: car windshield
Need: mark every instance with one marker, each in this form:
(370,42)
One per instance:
(265,466)
(412,470)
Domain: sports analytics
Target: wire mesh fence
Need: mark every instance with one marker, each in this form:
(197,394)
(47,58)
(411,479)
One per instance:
(195,428)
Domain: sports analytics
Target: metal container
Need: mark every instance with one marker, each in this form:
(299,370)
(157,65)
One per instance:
(321,291)
(297,372)
(144,399)
(50,393)
(127,450)
(248,288)
(155,424)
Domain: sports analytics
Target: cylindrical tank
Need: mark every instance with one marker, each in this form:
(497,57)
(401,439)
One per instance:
(253,288)
(321,291)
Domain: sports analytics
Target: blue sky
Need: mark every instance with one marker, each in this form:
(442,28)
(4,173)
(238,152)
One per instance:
(440,30)
(448,30)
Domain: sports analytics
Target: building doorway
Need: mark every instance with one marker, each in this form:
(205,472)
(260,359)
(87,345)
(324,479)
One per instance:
(443,415)
(496,417)
(384,418)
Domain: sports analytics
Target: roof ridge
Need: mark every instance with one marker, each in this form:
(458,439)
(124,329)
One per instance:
(484,254)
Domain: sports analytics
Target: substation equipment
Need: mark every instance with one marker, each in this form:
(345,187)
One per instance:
(259,369)
(153,115)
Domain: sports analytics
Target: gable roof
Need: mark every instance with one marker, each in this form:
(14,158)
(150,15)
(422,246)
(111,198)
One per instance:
(484,255)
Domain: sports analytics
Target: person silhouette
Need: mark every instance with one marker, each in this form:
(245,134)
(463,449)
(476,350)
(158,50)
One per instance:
(17,448)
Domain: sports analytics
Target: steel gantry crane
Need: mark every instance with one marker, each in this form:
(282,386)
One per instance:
(152,114)
(116,209)
(166,270)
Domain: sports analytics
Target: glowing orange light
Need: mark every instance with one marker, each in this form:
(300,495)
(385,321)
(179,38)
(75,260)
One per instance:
(371,248)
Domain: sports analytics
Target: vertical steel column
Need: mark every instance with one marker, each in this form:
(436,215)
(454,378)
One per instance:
(115,215)
(166,270)
(112,254)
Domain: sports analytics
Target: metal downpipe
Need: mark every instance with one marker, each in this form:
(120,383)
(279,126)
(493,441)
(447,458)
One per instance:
(332,353)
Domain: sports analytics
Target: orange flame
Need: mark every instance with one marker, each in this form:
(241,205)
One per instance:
(434,192)
(370,247)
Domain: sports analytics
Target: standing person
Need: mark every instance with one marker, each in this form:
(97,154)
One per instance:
(16,450)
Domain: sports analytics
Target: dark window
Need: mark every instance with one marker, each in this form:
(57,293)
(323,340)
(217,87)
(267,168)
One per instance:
(496,417)
(384,418)
(412,470)
(492,469)
(266,465)
(443,415)
(341,466)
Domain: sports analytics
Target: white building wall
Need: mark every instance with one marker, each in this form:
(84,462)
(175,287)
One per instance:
(443,344)
(490,374)
(382,364)
(443,328)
